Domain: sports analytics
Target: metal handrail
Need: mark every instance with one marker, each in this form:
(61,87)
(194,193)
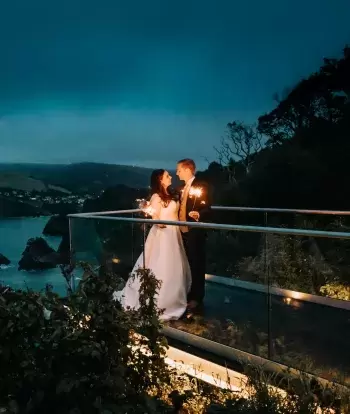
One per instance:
(283,210)
(248,209)
(106,213)
(215,226)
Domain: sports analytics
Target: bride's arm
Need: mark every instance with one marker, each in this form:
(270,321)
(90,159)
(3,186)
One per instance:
(156,205)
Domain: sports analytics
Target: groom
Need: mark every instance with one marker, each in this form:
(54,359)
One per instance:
(194,238)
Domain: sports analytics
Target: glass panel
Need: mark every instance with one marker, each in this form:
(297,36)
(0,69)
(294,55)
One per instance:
(106,244)
(233,314)
(227,252)
(246,305)
(227,249)
(308,331)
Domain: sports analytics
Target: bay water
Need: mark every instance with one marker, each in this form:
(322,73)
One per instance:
(14,235)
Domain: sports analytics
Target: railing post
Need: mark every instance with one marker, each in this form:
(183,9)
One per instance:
(144,244)
(71,255)
(268,283)
(132,240)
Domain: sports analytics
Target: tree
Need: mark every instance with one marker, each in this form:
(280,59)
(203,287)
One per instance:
(239,147)
(323,96)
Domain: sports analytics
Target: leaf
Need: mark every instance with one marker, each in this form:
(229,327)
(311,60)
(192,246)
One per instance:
(13,406)
(96,354)
(65,386)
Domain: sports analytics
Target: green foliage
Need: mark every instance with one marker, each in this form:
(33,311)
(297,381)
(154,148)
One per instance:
(336,291)
(289,262)
(85,354)
(80,354)
(297,264)
(300,398)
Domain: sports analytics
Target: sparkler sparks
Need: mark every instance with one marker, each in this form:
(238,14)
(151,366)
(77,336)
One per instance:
(195,192)
(149,210)
(146,207)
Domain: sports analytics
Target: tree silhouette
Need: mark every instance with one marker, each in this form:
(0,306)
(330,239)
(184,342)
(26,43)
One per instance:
(238,147)
(323,96)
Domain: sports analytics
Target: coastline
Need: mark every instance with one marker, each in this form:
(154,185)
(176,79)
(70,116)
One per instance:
(15,233)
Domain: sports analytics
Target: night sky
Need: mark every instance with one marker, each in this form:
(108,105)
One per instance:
(148,82)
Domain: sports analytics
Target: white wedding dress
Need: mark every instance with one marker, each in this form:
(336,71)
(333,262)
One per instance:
(165,256)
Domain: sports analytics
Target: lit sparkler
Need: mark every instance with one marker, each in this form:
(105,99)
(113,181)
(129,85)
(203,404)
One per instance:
(195,192)
(149,210)
(146,207)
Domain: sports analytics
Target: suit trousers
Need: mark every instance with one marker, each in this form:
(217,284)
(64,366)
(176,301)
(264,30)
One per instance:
(194,243)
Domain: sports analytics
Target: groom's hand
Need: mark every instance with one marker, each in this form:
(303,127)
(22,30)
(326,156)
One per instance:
(194,214)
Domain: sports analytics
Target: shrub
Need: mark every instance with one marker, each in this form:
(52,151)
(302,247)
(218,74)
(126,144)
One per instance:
(291,263)
(84,354)
(79,355)
(336,291)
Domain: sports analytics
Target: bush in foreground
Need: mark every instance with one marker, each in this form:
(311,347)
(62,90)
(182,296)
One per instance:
(79,355)
(82,355)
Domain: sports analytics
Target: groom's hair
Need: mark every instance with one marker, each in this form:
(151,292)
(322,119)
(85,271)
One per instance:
(188,163)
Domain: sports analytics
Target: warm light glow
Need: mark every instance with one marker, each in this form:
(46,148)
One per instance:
(149,211)
(145,206)
(142,203)
(292,302)
(115,260)
(195,192)
(297,295)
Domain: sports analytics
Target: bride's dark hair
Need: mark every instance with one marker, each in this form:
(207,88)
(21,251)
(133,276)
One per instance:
(158,188)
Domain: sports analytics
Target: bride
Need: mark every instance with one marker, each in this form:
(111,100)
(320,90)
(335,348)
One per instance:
(164,255)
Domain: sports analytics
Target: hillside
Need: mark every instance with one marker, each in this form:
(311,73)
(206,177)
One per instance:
(22,182)
(11,207)
(83,177)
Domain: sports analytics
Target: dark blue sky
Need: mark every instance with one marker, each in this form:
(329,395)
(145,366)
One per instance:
(147,82)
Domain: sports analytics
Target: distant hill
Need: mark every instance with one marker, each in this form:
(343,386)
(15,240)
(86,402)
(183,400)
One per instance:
(22,182)
(118,197)
(82,177)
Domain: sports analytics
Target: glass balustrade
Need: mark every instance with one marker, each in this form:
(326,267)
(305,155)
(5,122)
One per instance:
(272,292)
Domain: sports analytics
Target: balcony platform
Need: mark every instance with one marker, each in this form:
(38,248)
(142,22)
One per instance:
(308,336)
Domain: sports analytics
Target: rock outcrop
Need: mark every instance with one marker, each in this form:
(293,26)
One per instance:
(4,261)
(57,226)
(38,255)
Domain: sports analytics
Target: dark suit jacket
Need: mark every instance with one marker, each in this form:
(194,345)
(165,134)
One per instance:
(202,204)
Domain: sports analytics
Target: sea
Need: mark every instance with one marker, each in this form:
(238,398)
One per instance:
(14,234)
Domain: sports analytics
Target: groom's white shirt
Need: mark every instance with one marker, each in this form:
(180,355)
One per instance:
(182,215)
(186,190)
(190,181)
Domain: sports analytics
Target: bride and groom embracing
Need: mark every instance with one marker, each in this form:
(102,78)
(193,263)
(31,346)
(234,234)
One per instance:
(175,254)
